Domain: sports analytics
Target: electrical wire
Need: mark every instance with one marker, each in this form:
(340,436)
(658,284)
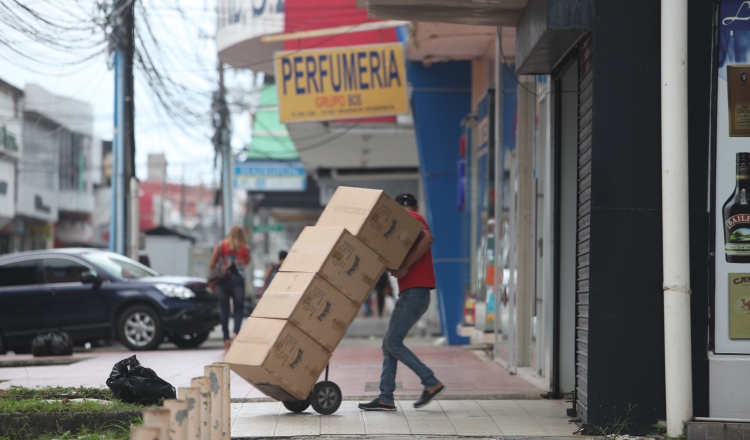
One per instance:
(515,78)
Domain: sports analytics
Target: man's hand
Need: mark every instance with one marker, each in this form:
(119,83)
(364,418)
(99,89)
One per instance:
(400,272)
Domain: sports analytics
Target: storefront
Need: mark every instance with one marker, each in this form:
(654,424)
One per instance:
(584,311)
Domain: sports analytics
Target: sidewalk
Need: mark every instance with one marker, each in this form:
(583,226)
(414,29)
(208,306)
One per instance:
(481,398)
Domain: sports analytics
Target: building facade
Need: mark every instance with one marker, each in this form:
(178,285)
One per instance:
(48,169)
(582,307)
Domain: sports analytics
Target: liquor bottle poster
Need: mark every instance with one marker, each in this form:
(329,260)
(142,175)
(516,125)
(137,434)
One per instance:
(732,179)
(739,305)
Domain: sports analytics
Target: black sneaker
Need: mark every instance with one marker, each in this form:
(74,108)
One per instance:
(427,397)
(376,405)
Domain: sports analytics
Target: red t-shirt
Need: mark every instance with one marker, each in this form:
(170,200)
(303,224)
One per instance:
(421,273)
(242,257)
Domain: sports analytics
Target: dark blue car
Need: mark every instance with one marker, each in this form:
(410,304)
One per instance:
(93,294)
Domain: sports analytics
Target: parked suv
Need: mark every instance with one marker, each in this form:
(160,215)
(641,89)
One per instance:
(93,294)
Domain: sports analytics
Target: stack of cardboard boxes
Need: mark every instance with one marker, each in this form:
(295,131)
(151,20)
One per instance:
(327,276)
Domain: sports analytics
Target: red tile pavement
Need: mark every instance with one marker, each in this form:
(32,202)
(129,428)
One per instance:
(355,367)
(460,369)
(356,370)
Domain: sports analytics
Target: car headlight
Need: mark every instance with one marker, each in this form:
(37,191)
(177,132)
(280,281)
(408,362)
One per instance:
(175,290)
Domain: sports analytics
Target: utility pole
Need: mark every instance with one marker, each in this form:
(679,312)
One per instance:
(182,197)
(131,226)
(221,146)
(123,145)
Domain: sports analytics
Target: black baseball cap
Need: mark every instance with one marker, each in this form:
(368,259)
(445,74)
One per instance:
(406,200)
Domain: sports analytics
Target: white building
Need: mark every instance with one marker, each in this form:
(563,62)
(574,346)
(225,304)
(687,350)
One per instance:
(11,117)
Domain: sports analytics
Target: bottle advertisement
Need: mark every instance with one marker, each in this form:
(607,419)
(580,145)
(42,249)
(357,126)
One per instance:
(732,332)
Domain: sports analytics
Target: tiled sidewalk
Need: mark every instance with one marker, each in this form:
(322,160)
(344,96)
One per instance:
(492,418)
(356,364)
(481,398)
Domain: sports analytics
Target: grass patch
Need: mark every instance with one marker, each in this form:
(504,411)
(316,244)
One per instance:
(60,399)
(115,431)
(17,392)
(65,413)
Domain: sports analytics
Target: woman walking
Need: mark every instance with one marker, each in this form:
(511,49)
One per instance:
(234,253)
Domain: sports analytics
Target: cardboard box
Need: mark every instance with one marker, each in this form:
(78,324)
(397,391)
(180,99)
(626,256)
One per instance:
(375,218)
(339,257)
(311,303)
(277,358)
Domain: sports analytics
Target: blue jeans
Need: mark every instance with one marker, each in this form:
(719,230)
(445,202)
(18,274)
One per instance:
(232,287)
(411,305)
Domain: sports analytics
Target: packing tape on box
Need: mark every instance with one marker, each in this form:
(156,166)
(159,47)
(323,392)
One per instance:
(337,255)
(348,210)
(253,339)
(367,280)
(309,249)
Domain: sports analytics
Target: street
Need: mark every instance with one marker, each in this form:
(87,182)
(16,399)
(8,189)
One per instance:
(481,398)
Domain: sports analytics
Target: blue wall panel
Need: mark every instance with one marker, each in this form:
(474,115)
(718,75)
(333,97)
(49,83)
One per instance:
(441,98)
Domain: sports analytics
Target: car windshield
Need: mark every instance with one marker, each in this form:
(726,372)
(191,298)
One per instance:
(119,266)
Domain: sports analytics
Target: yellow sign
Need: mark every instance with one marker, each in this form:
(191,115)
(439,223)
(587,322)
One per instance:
(341,83)
(739,305)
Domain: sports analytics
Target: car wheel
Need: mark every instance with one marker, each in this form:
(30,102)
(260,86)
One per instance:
(189,340)
(139,328)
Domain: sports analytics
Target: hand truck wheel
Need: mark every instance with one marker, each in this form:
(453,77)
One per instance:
(296,406)
(325,397)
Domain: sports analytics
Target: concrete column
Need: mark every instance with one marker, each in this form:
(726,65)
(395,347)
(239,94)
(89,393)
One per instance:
(192,396)
(178,418)
(157,418)
(216,420)
(140,432)
(526,225)
(227,400)
(203,384)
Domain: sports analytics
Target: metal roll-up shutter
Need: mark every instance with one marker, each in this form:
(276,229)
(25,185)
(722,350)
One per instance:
(583,248)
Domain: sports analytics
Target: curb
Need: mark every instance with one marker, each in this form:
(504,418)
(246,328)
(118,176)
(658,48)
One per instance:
(33,425)
(415,397)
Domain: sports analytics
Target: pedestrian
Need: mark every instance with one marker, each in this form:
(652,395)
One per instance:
(416,277)
(233,251)
(271,272)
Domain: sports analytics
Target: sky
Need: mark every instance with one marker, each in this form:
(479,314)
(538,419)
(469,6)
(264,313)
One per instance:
(185,48)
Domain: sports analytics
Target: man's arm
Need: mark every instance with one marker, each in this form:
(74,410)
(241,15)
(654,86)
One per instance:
(424,241)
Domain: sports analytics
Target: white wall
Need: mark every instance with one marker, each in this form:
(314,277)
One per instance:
(169,255)
(75,115)
(11,118)
(729,393)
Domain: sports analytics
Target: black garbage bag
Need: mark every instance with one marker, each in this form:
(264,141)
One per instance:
(40,345)
(53,343)
(60,344)
(132,383)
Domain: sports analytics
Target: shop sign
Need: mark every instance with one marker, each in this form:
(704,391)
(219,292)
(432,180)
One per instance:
(278,227)
(341,83)
(270,175)
(71,231)
(732,180)
(40,232)
(8,142)
(485,125)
